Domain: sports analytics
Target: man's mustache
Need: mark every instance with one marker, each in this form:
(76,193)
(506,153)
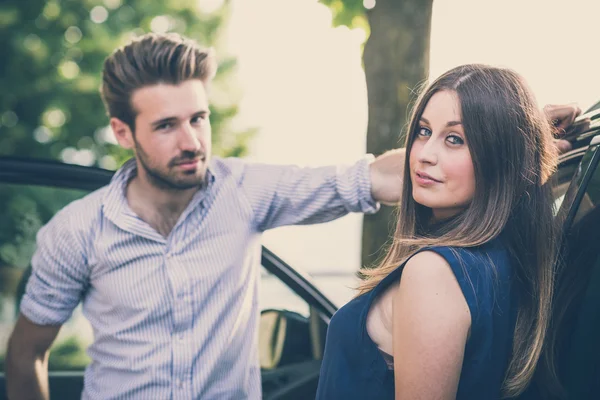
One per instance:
(187,157)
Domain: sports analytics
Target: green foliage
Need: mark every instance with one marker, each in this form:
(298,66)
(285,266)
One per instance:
(351,13)
(68,355)
(23,211)
(50,72)
(22,221)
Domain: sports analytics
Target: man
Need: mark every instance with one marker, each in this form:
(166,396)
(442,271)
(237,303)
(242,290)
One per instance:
(165,257)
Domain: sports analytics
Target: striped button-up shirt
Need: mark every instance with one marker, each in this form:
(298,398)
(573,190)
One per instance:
(177,317)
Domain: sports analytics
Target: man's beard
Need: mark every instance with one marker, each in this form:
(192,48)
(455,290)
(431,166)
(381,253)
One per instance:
(165,181)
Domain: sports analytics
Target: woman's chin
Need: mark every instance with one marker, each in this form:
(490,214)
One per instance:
(423,201)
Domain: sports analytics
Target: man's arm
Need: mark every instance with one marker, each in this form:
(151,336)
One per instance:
(59,276)
(27,360)
(281,195)
(288,195)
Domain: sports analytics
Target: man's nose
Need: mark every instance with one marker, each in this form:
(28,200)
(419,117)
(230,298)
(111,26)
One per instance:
(188,139)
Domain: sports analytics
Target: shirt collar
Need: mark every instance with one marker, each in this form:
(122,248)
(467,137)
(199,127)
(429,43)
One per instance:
(115,201)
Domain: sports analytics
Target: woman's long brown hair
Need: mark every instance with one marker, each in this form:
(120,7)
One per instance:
(511,147)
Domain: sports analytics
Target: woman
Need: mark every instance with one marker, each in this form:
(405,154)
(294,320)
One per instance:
(460,305)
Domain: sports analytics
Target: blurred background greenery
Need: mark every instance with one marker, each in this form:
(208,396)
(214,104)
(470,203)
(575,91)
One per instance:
(50,72)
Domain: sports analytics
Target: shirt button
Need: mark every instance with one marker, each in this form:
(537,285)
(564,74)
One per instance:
(179,383)
(181,338)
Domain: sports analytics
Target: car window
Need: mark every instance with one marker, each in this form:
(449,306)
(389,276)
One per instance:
(275,294)
(23,210)
(329,252)
(590,199)
(561,181)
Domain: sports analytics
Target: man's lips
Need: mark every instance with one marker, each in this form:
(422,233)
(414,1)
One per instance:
(189,164)
(190,161)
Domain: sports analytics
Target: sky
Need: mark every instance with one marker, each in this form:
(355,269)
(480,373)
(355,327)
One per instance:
(303,86)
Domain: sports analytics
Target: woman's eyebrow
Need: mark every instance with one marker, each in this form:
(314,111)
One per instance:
(451,123)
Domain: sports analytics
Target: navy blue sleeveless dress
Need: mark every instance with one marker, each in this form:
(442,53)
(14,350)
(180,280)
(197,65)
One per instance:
(354,368)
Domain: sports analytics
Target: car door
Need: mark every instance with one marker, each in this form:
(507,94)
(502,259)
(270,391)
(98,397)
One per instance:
(294,314)
(576,310)
(577,305)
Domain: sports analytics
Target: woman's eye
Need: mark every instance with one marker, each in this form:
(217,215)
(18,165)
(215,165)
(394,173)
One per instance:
(453,139)
(423,132)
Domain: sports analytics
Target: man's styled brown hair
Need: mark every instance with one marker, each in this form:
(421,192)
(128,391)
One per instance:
(149,60)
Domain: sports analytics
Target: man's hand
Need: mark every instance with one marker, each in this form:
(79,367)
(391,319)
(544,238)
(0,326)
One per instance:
(561,117)
(387,171)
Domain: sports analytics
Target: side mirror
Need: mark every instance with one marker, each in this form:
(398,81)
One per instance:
(283,339)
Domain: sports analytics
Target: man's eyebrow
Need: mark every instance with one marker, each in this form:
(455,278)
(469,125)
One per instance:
(163,121)
(174,119)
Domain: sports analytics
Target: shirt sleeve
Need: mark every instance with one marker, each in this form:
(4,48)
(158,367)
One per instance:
(290,195)
(59,273)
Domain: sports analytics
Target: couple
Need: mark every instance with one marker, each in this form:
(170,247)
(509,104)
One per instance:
(164,257)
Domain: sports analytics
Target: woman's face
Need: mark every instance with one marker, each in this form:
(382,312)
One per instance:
(441,168)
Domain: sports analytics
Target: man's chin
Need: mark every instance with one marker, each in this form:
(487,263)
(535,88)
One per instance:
(180,182)
(188,182)
(190,179)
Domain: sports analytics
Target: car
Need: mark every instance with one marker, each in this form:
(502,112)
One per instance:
(576,321)
(294,313)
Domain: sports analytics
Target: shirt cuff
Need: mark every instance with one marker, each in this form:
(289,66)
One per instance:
(354,186)
(42,314)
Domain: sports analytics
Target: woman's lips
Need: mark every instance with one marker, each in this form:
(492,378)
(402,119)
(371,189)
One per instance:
(425,180)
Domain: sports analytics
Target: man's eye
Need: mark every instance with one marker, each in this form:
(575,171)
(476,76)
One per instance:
(423,132)
(164,127)
(453,139)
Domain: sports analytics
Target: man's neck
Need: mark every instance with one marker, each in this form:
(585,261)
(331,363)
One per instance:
(160,208)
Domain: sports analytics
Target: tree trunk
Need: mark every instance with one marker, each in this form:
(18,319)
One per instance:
(396,61)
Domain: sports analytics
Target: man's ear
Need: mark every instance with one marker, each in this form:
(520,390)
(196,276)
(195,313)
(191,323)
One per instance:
(122,133)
